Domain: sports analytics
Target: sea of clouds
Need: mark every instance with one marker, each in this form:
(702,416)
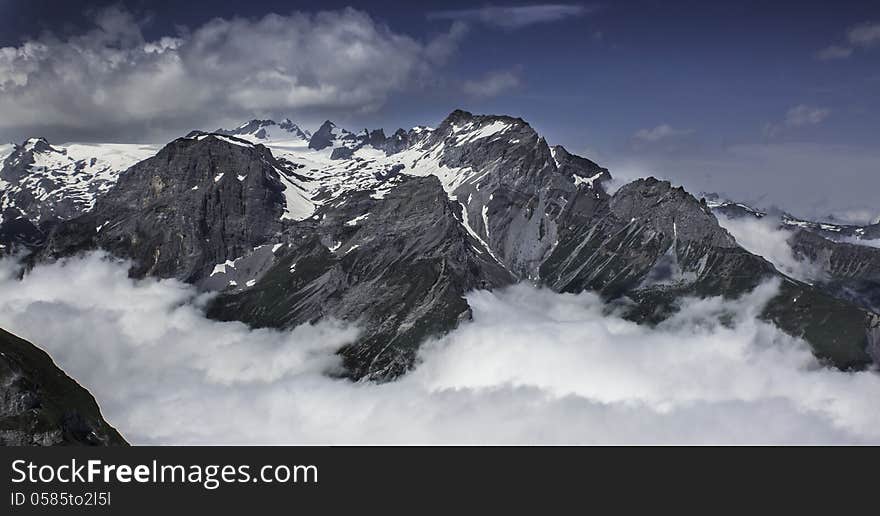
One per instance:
(533,366)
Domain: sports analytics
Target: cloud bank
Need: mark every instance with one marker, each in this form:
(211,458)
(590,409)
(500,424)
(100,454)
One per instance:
(533,367)
(112,78)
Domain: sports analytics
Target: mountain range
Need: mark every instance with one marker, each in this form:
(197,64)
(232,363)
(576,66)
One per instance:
(390,232)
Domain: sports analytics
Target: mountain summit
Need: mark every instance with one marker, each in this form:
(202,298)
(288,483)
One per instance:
(267,130)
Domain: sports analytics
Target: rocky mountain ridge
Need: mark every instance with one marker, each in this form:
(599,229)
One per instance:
(42,184)
(391,232)
(847,256)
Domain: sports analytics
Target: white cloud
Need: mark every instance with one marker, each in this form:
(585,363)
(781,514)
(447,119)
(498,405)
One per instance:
(859,215)
(802,115)
(661,132)
(533,367)
(798,116)
(226,68)
(514,17)
(765,238)
(442,47)
(492,83)
(864,35)
(833,52)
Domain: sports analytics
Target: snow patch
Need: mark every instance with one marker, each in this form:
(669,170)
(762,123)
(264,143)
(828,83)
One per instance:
(297,205)
(467,135)
(233,141)
(467,226)
(221,268)
(354,221)
(578,180)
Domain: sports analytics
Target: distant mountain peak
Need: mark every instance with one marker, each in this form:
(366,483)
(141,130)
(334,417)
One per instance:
(331,135)
(323,137)
(460,116)
(266,130)
(288,125)
(44,183)
(39,144)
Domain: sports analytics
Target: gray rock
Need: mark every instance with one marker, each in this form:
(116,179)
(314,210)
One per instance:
(397,266)
(655,243)
(328,135)
(197,203)
(42,406)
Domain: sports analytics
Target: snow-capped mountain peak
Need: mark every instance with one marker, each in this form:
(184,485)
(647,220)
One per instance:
(38,145)
(43,182)
(866,234)
(288,125)
(330,135)
(267,130)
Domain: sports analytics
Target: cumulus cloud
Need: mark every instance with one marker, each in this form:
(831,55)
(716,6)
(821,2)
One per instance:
(798,116)
(113,76)
(514,17)
(492,83)
(764,237)
(533,367)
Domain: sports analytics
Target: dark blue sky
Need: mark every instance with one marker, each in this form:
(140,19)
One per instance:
(695,91)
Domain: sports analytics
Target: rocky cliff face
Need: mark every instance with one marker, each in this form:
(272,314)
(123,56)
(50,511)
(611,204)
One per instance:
(328,135)
(648,234)
(199,202)
(513,191)
(42,406)
(655,243)
(399,266)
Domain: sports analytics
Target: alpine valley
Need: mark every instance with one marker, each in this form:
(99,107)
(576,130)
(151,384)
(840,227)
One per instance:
(389,233)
